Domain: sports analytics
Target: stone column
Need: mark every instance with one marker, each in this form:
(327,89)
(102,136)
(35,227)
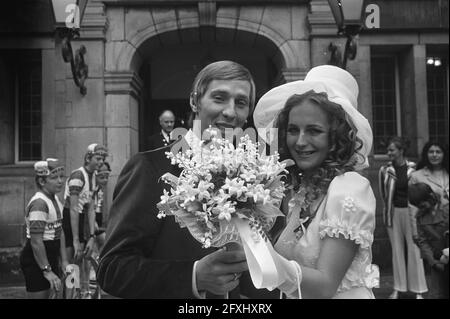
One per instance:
(80,118)
(413,96)
(122,89)
(364,82)
(420,92)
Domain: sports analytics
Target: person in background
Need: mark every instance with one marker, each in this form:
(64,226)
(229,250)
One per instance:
(433,170)
(78,213)
(43,258)
(101,178)
(432,236)
(163,137)
(397,216)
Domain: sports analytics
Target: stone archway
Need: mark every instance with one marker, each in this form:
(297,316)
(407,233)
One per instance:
(170,67)
(129,39)
(123,52)
(128,32)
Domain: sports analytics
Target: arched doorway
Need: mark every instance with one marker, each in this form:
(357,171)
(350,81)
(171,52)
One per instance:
(172,60)
(146,45)
(155,48)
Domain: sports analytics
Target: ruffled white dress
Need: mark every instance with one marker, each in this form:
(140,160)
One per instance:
(348,209)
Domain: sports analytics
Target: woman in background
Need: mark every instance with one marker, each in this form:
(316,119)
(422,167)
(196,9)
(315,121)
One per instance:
(433,170)
(393,183)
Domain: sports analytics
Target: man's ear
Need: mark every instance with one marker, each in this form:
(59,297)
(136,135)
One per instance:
(41,181)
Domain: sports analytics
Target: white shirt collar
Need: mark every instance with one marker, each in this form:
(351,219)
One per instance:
(165,135)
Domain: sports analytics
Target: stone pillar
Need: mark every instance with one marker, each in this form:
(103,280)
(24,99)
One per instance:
(323,32)
(413,96)
(122,91)
(420,92)
(364,82)
(80,118)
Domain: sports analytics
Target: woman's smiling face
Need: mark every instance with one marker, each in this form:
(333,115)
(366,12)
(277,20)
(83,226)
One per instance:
(435,155)
(307,135)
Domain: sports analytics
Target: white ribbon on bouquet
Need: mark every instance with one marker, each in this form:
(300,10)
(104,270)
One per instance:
(260,255)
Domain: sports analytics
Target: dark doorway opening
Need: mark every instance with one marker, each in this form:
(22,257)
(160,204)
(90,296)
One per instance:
(171,64)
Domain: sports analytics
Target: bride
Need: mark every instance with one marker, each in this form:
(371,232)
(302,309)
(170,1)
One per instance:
(325,247)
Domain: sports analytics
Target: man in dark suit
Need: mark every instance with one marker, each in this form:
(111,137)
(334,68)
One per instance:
(163,138)
(147,257)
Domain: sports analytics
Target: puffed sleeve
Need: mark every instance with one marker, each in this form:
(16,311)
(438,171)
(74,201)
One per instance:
(349,209)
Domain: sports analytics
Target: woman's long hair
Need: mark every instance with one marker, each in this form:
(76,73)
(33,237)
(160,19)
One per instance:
(344,144)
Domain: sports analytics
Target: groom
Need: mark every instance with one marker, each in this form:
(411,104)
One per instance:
(147,257)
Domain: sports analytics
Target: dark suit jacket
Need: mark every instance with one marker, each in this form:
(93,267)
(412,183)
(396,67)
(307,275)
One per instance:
(147,257)
(156,141)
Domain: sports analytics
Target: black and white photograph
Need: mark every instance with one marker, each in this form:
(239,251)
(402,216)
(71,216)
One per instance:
(247,151)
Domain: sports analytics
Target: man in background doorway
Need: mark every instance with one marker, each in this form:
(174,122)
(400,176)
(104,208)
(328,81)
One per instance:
(163,138)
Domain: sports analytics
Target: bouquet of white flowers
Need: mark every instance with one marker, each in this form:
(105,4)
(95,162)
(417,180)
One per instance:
(219,183)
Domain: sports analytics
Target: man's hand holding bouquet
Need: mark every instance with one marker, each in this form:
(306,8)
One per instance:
(227,195)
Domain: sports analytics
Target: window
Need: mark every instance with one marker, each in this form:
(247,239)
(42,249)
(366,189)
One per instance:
(29,106)
(437,102)
(384,101)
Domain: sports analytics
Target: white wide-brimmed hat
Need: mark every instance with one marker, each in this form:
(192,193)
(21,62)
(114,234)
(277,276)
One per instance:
(341,88)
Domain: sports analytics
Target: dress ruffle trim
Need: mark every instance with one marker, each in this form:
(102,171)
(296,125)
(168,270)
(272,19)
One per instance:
(360,275)
(331,228)
(361,272)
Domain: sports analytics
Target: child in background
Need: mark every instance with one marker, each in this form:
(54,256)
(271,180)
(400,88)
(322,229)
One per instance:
(432,237)
(101,178)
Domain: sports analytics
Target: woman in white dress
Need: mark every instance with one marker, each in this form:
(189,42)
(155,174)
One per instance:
(325,248)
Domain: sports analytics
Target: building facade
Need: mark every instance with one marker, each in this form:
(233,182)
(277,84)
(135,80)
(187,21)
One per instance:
(143,55)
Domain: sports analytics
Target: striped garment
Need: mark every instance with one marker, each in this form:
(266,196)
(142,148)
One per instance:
(43,216)
(80,183)
(386,184)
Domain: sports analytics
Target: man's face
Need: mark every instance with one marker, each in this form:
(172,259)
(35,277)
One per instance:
(96,162)
(54,182)
(167,121)
(225,104)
